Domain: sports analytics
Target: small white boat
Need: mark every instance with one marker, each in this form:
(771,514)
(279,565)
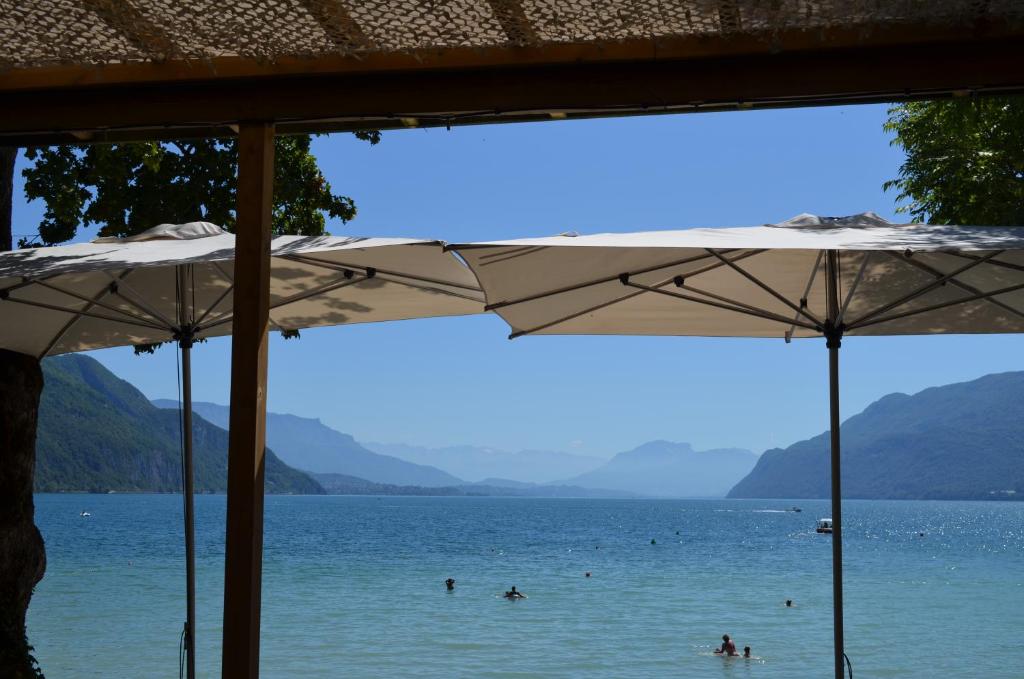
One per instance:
(824,526)
(85,514)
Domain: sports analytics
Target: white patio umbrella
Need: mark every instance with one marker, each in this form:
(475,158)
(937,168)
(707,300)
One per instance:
(807,277)
(175,283)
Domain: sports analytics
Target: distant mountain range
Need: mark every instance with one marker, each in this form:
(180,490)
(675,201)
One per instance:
(658,468)
(308,444)
(959,441)
(668,469)
(342,484)
(476,463)
(98,433)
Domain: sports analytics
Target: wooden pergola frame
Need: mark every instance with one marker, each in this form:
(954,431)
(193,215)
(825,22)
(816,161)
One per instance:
(124,102)
(521,81)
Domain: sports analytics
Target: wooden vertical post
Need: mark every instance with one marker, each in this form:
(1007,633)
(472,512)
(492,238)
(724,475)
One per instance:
(243,562)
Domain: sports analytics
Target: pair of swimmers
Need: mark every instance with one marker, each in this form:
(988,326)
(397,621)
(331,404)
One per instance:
(513,594)
(728,648)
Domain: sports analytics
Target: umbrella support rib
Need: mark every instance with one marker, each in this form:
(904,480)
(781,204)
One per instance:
(925,289)
(992,262)
(944,305)
(70,324)
(640,289)
(139,304)
(853,287)
(563,319)
(803,300)
(349,278)
(767,288)
(421,282)
(957,283)
(833,332)
(130,320)
(426,288)
(609,279)
(680,283)
(498,257)
(95,301)
(724,303)
(209,309)
(339,266)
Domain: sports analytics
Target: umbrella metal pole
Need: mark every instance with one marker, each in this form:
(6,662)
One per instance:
(189,490)
(837,519)
(833,332)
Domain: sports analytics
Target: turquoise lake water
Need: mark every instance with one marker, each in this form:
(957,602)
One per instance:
(354,587)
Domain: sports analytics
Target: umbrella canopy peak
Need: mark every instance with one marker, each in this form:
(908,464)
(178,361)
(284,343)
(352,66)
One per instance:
(861,220)
(187,231)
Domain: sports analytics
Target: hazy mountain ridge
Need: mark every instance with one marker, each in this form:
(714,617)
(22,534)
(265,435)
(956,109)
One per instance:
(97,433)
(341,484)
(308,444)
(958,441)
(476,463)
(669,469)
(656,468)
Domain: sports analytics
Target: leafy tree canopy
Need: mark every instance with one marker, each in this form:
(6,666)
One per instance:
(128,188)
(965,160)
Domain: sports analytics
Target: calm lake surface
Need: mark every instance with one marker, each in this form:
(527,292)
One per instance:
(354,586)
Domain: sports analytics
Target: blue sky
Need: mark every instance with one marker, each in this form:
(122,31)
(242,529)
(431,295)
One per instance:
(453,381)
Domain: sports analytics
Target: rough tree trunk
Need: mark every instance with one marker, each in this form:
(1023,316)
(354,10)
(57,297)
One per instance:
(7,157)
(22,556)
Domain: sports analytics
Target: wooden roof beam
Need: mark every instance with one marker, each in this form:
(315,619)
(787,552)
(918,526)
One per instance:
(512,17)
(339,25)
(741,45)
(322,101)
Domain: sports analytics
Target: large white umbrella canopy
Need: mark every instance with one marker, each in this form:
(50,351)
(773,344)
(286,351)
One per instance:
(762,281)
(134,291)
(175,282)
(810,276)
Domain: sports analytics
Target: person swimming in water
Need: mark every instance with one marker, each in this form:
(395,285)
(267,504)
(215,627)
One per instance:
(450,584)
(728,647)
(789,603)
(514,594)
(746,651)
